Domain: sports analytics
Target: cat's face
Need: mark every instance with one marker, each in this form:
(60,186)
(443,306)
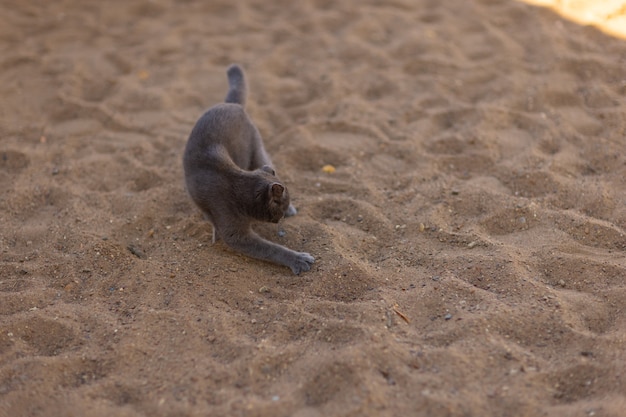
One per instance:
(272,196)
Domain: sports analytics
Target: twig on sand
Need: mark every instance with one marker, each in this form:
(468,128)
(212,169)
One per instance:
(401,314)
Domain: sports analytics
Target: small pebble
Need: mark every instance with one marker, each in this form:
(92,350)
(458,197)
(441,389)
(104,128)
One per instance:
(264,289)
(136,251)
(282,233)
(329,169)
(447,316)
(472,244)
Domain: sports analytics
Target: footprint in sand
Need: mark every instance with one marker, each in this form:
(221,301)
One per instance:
(47,337)
(582,381)
(331,381)
(531,184)
(595,234)
(586,313)
(581,274)
(16,297)
(511,220)
(13,162)
(335,148)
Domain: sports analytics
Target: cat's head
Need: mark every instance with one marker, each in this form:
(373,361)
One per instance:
(272,196)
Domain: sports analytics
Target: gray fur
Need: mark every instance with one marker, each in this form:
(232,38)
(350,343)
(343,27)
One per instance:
(237,88)
(230,177)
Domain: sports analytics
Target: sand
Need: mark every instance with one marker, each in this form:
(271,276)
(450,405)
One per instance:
(470,243)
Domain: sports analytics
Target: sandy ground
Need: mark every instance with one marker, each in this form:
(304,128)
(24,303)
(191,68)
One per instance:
(470,243)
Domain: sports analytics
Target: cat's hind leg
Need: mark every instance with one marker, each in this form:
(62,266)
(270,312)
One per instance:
(215,237)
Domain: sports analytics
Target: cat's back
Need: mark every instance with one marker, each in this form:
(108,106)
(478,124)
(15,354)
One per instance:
(220,123)
(223,131)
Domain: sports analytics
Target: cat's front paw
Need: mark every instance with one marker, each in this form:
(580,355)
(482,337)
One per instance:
(291,211)
(302,263)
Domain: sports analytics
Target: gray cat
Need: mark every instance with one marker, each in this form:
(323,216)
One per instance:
(230,177)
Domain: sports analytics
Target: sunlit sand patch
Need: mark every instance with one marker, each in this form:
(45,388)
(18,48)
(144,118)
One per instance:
(607,15)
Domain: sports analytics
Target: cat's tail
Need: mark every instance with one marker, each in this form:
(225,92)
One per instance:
(236,85)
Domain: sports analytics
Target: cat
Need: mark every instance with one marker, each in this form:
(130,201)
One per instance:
(230,177)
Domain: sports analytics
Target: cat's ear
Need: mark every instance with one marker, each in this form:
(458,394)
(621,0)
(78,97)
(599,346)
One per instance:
(277,190)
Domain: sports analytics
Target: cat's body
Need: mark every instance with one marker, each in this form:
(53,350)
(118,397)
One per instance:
(230,178)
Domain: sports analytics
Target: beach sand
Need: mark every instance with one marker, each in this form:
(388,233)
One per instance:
(470,244)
